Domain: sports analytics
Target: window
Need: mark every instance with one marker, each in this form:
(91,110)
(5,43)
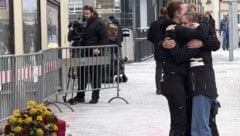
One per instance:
(6,33)
(31,26)
(53,20)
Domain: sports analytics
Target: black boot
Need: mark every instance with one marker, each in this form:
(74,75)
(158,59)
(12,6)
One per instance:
(95,96)
(76,100)
(93,101)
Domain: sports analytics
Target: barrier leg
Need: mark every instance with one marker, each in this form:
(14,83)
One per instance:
(54,103)
(118,97)
(65,96)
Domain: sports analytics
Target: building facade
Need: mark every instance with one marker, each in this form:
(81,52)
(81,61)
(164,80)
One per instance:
(134,15)
(24,30)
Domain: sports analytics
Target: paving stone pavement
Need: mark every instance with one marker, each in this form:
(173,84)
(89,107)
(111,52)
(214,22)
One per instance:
(147,113)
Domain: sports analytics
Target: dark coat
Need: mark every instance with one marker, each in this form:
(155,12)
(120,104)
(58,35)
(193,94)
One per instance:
(95,33)
(155,35)
(182,35)
(201,79)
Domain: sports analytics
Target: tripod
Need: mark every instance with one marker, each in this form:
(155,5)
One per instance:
(72,74)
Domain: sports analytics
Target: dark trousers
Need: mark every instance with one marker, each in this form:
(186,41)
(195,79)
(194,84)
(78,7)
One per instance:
(175,90)
(158,75)
(92,75)
(213,113)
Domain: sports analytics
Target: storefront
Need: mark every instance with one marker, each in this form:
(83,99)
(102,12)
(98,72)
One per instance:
(6,27)
(28,26)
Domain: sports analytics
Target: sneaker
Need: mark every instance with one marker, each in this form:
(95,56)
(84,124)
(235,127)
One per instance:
(93,101)
(76,100)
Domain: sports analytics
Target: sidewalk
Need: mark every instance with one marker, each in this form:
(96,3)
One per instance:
(147,113)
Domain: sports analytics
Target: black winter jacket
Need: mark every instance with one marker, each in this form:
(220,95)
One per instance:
(201,79)
(95,33)
(170,64)
(155,35)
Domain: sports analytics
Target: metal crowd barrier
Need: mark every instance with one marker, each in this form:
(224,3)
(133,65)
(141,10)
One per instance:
(87,71)
(43,75)
(21,80)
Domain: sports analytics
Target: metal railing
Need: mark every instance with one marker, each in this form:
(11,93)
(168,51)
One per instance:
(46,74)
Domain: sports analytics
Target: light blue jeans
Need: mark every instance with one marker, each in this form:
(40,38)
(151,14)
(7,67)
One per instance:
(201,106)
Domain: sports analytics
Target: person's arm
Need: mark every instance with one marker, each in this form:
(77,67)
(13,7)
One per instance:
(186,34)
(163,53)
(150,34)
(220,27)
(211,43)
(102,33)
(183,54)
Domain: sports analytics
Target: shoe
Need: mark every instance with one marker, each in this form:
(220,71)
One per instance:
(93,101)
(158,92)
(76,100)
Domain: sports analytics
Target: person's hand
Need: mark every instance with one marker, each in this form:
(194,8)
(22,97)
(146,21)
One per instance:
(194,25)
(168,43)
(194,44)
(170,27)
(96,51)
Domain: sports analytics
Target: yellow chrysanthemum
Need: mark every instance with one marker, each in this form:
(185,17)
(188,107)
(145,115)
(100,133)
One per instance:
(44,109)
(17,129)
(40,106)
(55,128)
(47,113)
(13,119)
(28,120)
(20,120)
(16,113)
(39,132)
(39,118)
(32,111)
(31,103)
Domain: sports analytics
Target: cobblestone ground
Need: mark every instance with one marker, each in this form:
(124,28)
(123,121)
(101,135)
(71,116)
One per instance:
(147,114)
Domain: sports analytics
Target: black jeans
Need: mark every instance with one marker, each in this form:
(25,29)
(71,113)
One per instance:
(92,75)
(175,90)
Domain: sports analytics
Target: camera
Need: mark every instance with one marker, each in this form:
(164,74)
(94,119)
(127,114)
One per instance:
(75,33)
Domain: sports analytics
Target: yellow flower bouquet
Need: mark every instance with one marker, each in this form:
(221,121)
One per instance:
(36,120)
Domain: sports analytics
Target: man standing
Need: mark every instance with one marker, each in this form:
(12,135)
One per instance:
(155,35)
(224,32)
(93,34)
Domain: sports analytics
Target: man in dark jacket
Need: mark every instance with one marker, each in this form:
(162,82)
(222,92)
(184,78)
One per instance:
(155,35)
(93,34)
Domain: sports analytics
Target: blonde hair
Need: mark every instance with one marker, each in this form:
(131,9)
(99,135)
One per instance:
(111,25)
(112,30)
(192,7)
